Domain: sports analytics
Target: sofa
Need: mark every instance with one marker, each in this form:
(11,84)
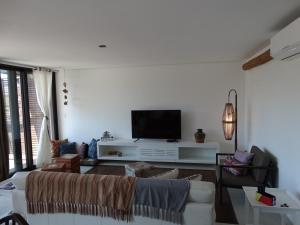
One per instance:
(199,208)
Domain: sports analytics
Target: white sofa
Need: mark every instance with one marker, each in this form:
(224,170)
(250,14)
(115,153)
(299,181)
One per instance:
(199,209)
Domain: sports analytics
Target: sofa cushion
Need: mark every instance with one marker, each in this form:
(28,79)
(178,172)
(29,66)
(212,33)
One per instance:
(260,159)
(201,191)
(68,148)
(235,171)
(243,156)
(194,177)
(83,150)
(92,152)
(173,174)
(55,144)
(229,179)
(19,180)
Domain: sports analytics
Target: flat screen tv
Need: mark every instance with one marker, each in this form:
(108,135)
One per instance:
(156,124)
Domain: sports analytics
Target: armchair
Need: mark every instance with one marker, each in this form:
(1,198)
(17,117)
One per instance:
(257,174)
(13,218)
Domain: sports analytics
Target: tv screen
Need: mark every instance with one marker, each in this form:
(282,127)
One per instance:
(156,124)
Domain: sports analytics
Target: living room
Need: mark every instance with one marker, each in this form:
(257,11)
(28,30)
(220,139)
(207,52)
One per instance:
(80,71)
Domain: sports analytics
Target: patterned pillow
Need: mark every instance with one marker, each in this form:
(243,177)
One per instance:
(83,150)
(55,144)
(92,152)
(235,171)
(243,156)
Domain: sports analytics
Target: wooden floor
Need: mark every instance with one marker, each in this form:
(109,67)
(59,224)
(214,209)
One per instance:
(224,212)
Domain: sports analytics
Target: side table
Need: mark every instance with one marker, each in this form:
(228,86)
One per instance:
(282,196)
(72,162)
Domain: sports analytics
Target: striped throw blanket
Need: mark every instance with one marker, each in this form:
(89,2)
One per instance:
(88,194)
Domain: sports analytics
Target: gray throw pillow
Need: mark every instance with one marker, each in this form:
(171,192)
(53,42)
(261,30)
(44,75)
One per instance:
(260,159)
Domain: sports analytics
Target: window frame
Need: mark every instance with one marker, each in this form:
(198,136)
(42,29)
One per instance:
(26,116)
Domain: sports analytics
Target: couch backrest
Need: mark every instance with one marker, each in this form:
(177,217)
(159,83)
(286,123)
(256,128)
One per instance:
(260,159)
(200,191)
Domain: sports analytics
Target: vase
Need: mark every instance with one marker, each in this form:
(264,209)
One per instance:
(199,136)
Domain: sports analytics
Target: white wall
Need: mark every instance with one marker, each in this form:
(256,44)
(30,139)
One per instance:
(102,99)
(273,116)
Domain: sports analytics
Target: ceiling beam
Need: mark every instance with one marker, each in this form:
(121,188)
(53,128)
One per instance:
(258,60)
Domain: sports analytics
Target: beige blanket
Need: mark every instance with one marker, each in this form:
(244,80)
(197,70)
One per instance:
(87,194)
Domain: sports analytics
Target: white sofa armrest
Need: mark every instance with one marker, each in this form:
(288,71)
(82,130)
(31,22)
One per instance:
(19,180)
(19,202)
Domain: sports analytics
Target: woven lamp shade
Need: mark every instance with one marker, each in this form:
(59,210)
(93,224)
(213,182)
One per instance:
(229,120)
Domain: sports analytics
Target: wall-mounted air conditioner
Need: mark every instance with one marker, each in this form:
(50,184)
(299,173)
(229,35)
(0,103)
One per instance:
(286,44)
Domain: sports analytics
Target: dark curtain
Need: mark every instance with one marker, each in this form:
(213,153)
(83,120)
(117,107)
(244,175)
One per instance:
(4,147)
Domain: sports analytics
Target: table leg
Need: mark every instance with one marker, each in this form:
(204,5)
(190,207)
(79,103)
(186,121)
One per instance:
(296,218)
(283,222)
(256,216)
(247,210)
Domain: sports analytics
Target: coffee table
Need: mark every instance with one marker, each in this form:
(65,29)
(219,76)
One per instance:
(282,196)
(54,167)
(71,161)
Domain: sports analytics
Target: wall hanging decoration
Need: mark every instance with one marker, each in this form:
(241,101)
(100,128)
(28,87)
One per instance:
(65,91)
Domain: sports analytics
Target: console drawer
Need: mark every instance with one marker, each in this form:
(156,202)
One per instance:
(158,153)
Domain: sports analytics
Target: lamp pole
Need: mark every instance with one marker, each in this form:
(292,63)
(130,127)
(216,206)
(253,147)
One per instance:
(236,116)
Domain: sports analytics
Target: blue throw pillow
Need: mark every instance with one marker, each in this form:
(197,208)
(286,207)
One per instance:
(68,148)
(92,153)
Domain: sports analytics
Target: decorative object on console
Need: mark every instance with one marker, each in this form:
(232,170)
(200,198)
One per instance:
(106,136)
(199,136)
(230,119)
(55,144)
(92,152)
(114,153)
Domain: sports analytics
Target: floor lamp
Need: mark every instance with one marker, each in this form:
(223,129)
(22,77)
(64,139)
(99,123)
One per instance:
(230,119)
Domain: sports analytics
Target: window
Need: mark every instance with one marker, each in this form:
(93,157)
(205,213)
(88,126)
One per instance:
(23,117)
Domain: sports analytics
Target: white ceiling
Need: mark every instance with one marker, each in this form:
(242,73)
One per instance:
(66,33)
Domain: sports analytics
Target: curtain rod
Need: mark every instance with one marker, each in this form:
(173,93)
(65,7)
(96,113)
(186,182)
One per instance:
(28,66)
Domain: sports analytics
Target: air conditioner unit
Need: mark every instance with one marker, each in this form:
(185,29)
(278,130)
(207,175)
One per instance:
(286,44)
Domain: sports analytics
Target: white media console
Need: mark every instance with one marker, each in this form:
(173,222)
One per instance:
(159,151)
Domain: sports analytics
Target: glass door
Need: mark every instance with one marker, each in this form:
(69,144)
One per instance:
(12,110)
(21,107)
